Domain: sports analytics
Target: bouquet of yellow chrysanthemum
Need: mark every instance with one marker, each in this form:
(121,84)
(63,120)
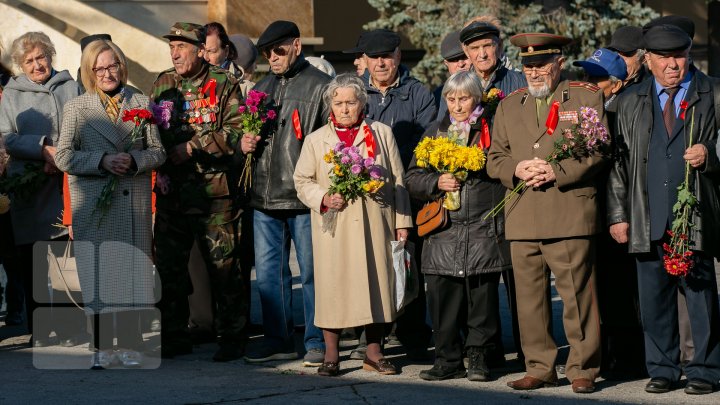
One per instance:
(447,156)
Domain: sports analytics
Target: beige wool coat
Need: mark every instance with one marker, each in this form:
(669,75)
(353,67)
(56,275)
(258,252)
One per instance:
(354,277)
(113,255)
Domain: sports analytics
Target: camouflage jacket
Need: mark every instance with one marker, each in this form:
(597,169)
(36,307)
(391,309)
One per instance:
(207,182)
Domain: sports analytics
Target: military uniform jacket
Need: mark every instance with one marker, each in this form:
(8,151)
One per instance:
(568,206)
(207,182)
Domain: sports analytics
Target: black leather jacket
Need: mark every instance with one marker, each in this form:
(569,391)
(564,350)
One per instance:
(469,245)
(300,88)
(627,187)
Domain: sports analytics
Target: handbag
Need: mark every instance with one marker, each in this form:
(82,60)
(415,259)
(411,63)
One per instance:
(407,282)
(431,217)
(63,272)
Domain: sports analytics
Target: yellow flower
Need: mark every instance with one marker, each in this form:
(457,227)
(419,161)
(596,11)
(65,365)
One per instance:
(338,170)
(328,157)
(4,203)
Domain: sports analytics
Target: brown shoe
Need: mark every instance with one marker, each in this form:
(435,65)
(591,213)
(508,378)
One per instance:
(531,383)
(329,369)
(583,386)
(382,366)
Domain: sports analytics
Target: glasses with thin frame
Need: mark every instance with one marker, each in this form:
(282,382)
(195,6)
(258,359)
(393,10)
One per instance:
(100,72)
(540,70)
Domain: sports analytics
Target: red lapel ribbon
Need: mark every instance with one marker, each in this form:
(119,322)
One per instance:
(484,135)
(683,108)
(296,124)
(210,85)
(552,118)
(369,141)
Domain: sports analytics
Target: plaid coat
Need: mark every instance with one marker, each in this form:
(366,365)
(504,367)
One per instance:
(113,254)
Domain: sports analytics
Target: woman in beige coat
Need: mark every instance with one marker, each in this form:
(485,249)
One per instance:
(354,277)
(113,248)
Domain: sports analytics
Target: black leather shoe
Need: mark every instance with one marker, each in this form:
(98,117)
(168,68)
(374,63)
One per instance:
(697,386)
(438,372)
(658,385)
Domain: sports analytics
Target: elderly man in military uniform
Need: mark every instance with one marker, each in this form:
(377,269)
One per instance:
(197,193)
(666,133)
(552,224)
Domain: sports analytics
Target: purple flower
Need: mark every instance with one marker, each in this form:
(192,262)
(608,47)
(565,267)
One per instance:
(369,162)
(356,169)
(345,159)
(339,147)
(375,172)
(345,151)
(162,113)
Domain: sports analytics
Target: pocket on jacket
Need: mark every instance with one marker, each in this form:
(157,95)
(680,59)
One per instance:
(216,184)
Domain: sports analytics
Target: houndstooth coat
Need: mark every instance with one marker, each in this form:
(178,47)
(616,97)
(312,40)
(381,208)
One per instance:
(113,252)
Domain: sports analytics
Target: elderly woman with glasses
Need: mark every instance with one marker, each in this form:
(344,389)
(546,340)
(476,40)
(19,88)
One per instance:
(463,261)
(354,277)
(113,244)
(30,119)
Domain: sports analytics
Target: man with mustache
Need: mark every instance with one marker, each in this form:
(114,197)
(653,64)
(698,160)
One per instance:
(552,223)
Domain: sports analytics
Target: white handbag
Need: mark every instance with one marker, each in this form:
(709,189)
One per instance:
(63,272)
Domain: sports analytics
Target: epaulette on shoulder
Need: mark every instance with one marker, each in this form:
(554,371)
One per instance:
(585,85)
(168,70)
(518,91)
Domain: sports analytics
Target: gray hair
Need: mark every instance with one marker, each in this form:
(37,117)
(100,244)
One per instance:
(345,80)
(29,41)
(464,82)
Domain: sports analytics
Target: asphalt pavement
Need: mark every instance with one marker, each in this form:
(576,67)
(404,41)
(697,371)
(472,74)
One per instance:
(58,375)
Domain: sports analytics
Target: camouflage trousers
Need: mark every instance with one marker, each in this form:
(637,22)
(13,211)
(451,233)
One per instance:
(217,236)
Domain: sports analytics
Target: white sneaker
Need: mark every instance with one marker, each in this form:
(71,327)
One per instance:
(130,358)
(103,359)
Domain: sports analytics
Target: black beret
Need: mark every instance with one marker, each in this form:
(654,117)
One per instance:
(451,47)
(378,42)
(680,21)
(277,31)
(85,41)
(666,38)
(477,30)
(627,39)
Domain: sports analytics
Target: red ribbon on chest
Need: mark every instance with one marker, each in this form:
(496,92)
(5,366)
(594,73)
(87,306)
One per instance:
(369,141)
(552,118)
(211,85)
(296,124)
(484,141)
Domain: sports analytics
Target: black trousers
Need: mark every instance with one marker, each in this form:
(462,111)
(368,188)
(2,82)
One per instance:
(125,326)
(659,310)
(411,328)
(457,302)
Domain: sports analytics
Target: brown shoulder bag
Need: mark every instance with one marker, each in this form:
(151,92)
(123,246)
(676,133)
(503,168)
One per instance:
(433,216)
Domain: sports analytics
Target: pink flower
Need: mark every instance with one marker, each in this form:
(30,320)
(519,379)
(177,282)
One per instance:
(345,159)
(339,147)
(369,162)
(271,115)
(242,109)
(375,172)
(355,169)
(253,109)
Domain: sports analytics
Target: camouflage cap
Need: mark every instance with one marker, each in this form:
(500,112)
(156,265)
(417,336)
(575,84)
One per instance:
(189,32)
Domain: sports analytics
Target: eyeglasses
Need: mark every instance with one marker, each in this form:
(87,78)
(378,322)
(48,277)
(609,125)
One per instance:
(279,50)
(540,70)
(100,72)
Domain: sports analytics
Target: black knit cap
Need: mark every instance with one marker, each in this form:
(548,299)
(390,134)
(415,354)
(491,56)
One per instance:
(85,41)
(666,38)
(277,32)
(627,39)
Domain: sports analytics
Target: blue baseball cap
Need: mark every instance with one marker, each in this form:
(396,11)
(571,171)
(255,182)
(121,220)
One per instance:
(604,62)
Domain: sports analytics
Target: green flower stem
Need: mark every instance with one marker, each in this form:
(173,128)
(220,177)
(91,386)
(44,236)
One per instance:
(496,210)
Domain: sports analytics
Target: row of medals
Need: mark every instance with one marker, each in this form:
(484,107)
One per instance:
(197,110)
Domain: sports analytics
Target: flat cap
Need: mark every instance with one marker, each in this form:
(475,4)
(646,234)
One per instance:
(604,62)
(680,21)
(246,51)
(85,41)
(356,49)
(378,42)
(539,46)
(627,39)
(186,31)
(451,47)
(476,30)
(666,38)
(276,32)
